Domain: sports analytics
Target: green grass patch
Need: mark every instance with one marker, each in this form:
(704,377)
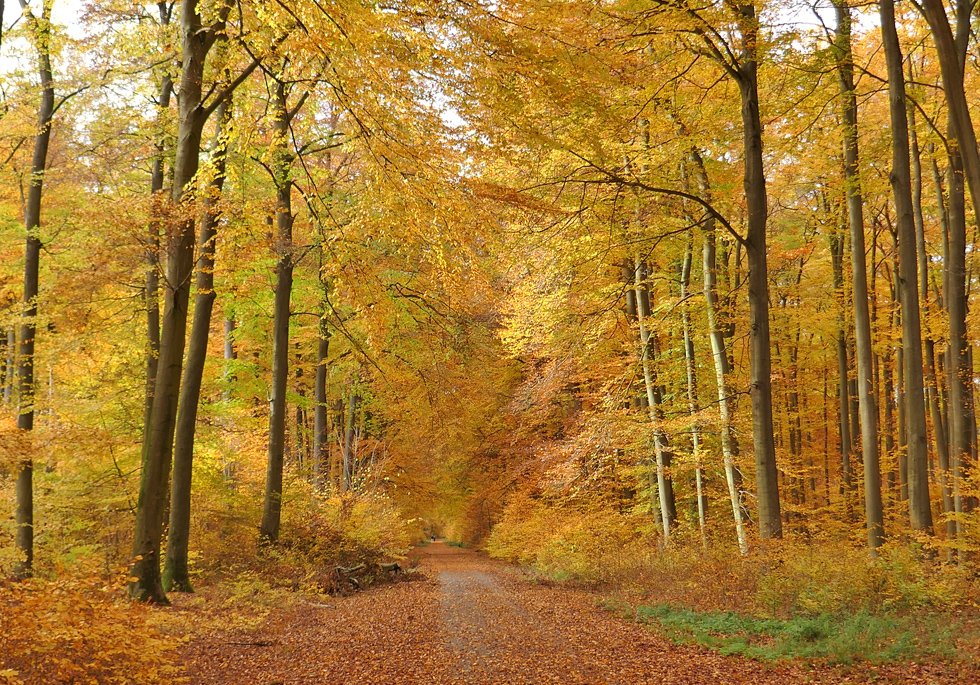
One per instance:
(836,639)
(455,544)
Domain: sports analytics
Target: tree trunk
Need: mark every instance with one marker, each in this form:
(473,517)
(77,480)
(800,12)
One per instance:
(230,354)
(964,156)
(321,435)
(692,388)
(158,446)
(767,485)
(8,380)
(349,453)
(152,288)
(661,450)
(874,514)
(24,515)
(843,387)
(283,158)
(920,513)
(175,571)
(299,446)
(719,356)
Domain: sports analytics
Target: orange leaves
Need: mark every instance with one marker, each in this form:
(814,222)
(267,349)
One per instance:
(78,629)
(15,444)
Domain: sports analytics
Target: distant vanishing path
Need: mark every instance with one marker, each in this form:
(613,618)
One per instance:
(470,622)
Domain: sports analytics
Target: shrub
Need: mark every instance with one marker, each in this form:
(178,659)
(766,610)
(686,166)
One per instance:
(79,629)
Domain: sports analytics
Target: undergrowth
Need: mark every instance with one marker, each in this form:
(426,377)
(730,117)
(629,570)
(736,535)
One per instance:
(813,598)
(836,639)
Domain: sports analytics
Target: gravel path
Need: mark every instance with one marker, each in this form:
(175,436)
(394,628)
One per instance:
(469,621)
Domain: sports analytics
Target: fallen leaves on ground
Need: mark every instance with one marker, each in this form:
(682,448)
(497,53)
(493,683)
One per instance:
(470,621)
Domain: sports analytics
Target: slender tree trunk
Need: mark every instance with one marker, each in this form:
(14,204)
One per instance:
(152,288)
(767,485)
(692,387)
(230,355)
(299,447)
(321,435)
(874,514)
(349,453)
(660,448)
(175,572)
(272,508)
(4,361)
(843,387)
(24,515)
(8,380)
(920,513)
(719,356)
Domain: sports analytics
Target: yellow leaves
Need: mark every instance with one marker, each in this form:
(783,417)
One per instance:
(15,444)
(9,675)
(78,629)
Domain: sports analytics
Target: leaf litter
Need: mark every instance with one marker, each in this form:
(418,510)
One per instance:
(469,621)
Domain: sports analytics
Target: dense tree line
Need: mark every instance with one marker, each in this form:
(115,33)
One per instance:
(453,249)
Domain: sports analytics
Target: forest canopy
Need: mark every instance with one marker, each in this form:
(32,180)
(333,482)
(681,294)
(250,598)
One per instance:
(554,278)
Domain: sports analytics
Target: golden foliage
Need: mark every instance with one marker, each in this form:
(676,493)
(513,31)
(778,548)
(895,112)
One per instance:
(79,629)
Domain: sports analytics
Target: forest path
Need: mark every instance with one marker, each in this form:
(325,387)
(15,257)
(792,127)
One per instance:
(466,621)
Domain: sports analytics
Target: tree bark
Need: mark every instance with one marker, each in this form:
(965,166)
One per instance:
(158,447)
(665,489)
(843,386)
(349,451)
(690,366)
(719,356)
(230,354)
(24,514)
(321,435)
(767,481)
(964,158)
(282,160)
(176,575)
(152,288)
(11,371)
(874,514)
(920,513)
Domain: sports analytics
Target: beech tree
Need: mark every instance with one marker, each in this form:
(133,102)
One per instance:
(197,41)
(40,36)
(920,511)
(281,159)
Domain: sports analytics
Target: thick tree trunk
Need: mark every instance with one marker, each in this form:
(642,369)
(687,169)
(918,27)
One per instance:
(175,572)
(24,514)
(283,158)
(766,475)
(874,514)
(158,446)
(920,513)
(964,159)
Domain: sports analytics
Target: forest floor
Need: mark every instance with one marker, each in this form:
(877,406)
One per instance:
(463,619)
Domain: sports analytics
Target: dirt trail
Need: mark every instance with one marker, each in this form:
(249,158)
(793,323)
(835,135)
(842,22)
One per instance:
(472,622)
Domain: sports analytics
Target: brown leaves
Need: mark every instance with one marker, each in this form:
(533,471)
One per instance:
(473,621)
